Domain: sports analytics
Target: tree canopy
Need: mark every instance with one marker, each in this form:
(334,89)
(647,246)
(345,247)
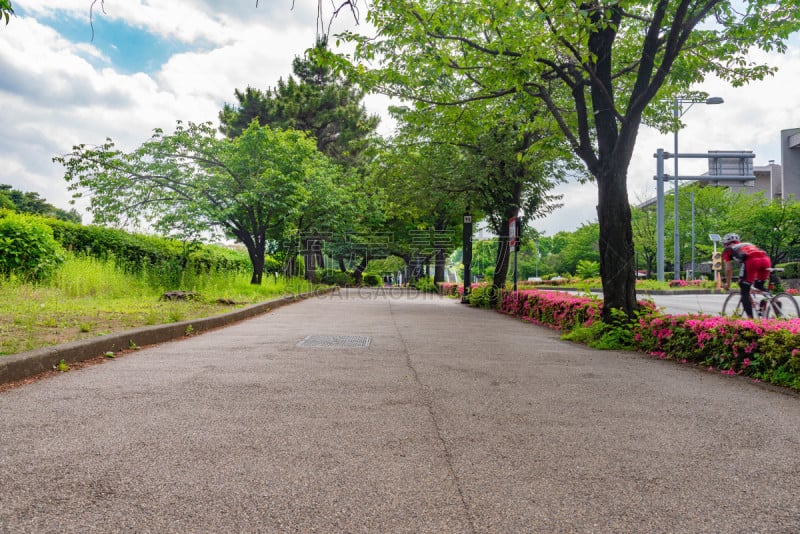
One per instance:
(317,101)
(191,181)
(31,202)
(595,67)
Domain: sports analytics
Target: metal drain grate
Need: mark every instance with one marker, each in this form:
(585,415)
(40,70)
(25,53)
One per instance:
(335,342)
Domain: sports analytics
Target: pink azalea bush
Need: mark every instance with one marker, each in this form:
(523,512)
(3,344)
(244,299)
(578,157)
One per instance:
(561,311)
(686,283)
(450,289)
(767,350)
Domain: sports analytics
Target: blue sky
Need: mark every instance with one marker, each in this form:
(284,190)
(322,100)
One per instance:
(152,63)
(129,49)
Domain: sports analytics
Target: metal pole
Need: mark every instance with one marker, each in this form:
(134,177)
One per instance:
(518,240)
(691,196)
(660,214)
(676,239)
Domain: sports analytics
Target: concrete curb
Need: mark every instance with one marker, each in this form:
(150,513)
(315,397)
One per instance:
(34,362)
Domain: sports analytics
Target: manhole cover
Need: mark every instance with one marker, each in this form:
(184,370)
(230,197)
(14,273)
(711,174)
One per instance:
(335,342)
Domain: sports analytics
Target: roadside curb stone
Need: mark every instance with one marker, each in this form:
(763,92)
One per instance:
(27,364)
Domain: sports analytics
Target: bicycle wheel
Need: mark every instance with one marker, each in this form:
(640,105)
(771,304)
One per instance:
(733,305)
(783,306)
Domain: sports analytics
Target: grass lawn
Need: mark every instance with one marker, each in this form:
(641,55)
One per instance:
(89,298)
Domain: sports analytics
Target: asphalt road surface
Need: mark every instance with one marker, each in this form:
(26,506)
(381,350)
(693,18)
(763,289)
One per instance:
(414,414)
(687,303)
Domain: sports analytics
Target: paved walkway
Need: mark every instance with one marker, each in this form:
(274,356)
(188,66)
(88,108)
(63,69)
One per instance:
(452,420)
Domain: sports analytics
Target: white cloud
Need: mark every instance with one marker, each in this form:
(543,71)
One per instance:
(53,98)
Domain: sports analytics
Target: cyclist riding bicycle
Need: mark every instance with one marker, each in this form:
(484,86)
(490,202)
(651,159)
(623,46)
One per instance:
(755,267)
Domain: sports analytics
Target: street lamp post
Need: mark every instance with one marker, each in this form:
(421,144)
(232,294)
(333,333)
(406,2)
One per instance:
(467,255)
(678,112)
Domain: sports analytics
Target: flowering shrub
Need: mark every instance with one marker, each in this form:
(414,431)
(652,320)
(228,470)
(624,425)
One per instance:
(450,289)
(687,283)
(764,349)
(767,349)
(561,311)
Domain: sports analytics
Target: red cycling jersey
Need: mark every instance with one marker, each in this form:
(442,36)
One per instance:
(756,262)
(741,252)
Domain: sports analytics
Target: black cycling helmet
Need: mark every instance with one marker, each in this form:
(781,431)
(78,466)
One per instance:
(730,238)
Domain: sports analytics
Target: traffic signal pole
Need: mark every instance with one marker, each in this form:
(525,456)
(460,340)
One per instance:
(660,156)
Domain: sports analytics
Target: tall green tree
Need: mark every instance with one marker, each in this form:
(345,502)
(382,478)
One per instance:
(513,181)
(423,213)
(595,66)
(644,226)
(773,225)
(510,161)
(31,202)
(315,100)
(327,107)
(191,182)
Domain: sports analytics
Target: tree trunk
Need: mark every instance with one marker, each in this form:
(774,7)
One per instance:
(501,264)
(256,250)
(258,272)
(360,268)
(616,244)
(310,254)
(438,271)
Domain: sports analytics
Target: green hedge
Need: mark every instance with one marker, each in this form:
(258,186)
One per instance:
(371,280)
(136,252)
(334,277)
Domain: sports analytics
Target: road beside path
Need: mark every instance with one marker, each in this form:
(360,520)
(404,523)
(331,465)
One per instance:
(450,419)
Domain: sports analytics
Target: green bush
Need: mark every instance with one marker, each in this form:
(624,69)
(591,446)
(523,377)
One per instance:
(27,247)
(371,280)
(334,277)
(480,295)
(587,269)
(425,284)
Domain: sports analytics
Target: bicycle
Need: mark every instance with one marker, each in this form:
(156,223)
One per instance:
(779,305)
